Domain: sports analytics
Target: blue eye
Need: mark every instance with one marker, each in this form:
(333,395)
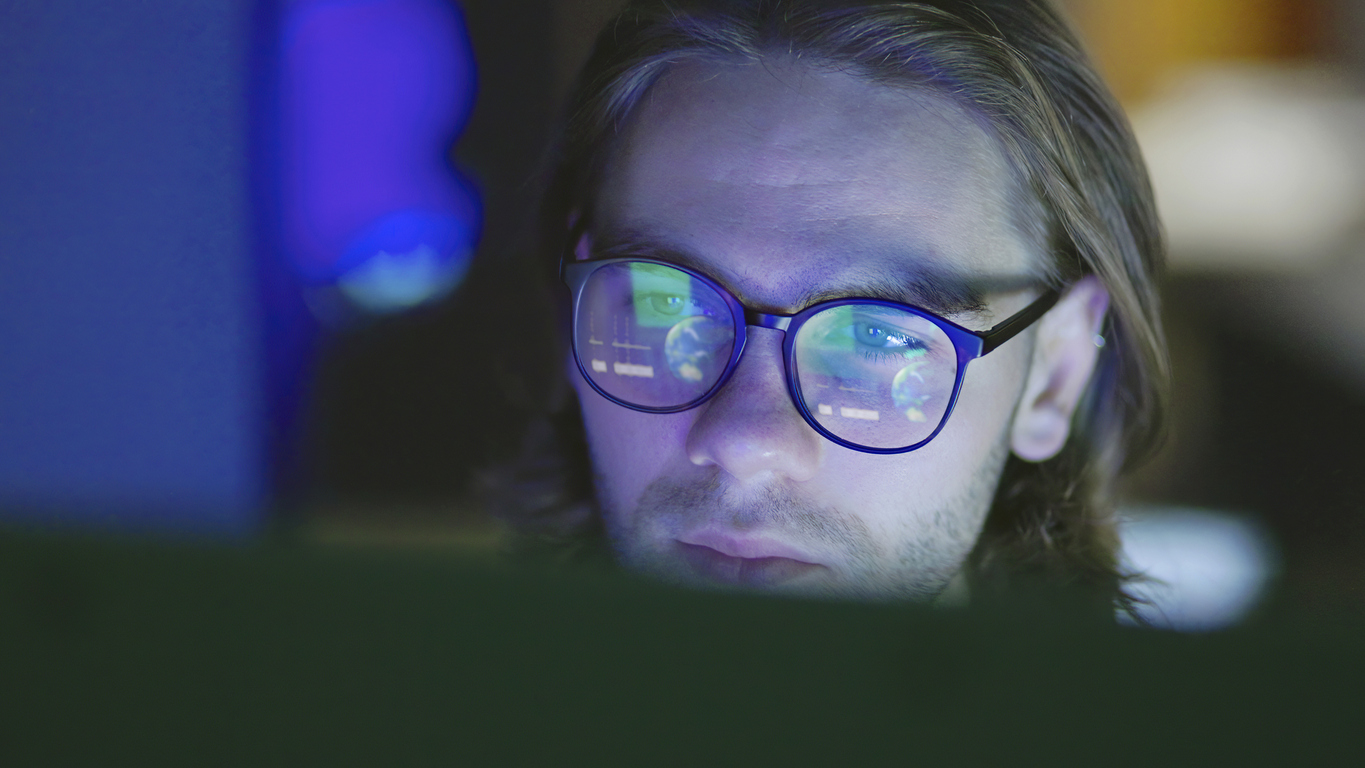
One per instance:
(869,335)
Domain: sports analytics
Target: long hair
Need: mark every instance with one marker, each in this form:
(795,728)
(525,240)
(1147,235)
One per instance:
(1083,195)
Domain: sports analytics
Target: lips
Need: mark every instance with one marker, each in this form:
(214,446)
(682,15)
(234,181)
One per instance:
(744,562)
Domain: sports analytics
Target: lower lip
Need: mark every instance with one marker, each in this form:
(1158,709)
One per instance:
(745,571)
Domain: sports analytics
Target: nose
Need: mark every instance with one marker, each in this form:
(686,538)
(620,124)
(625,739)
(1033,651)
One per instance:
(750,429)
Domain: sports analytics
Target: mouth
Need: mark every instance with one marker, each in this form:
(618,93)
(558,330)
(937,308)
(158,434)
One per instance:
(745,562)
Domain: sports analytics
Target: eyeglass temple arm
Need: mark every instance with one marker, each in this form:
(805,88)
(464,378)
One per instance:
(1011,326)
(566,255)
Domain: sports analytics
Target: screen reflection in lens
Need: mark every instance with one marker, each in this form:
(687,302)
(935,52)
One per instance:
(653,336)
(877,376)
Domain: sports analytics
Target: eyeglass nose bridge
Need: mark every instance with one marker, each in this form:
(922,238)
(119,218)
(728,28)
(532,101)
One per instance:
(782,323)
(763,320)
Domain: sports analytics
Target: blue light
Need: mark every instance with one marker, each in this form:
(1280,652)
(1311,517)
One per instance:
(406,259)
(373,94)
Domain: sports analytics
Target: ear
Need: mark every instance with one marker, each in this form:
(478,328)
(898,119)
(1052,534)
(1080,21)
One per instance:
(583,248)
(1065,351)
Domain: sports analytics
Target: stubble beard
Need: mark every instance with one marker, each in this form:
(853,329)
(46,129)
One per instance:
(917,568)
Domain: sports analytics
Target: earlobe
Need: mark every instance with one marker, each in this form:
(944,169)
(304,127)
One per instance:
(1064,356)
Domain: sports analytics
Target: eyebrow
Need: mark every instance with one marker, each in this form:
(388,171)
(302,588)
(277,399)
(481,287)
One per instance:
(942,290)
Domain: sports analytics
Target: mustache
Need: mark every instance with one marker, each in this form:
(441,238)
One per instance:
(677,505)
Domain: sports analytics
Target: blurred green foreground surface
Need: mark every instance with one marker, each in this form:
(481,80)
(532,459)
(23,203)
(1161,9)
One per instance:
(191,654)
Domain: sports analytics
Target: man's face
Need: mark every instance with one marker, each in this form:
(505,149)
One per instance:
(785,183)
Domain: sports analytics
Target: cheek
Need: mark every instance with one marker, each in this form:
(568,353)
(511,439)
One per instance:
(939,475)
(629,449)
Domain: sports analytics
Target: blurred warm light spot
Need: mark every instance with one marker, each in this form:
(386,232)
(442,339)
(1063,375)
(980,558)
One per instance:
(1140,45)
(1255,167)
(1253,146)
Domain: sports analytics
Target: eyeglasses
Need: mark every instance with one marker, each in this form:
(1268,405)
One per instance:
(875,376)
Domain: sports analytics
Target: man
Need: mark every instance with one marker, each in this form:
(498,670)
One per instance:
(862,299)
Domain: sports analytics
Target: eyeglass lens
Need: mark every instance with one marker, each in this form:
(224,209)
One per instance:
(657,337)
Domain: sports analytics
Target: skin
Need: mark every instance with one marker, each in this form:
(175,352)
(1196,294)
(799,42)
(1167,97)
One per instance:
(790,184)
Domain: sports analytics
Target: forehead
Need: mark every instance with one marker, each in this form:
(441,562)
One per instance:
(776,176)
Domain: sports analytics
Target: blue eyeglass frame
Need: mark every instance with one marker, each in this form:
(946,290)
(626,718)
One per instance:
(969,344)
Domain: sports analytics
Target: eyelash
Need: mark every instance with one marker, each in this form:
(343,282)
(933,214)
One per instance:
(879,355)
